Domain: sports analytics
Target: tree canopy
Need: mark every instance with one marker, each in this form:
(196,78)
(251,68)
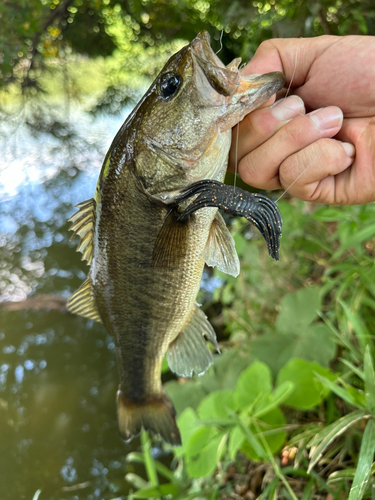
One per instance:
(35,32)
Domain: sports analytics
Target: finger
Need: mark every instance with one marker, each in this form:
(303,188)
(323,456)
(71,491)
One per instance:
(310,174)
(260,168)
(258,126)
(293,57)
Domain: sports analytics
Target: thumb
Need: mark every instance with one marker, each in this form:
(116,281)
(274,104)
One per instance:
(292,56)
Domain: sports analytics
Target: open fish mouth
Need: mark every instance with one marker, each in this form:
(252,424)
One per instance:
(228,81)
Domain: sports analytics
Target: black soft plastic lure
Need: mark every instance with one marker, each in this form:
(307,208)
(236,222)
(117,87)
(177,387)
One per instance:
(255,207)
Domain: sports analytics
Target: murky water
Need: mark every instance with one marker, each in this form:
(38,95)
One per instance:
(58,377)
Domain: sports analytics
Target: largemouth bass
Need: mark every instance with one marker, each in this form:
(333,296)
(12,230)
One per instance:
(147,243)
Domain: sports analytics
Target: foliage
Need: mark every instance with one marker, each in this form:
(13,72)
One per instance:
(312,401)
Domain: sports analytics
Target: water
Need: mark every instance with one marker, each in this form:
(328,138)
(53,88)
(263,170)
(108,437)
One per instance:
(58,377)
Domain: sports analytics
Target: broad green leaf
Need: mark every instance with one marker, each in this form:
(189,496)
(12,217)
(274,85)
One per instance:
(203,451)
(298,310)
(236,439)
(309,391)
(313,343)
(275,438)
(279,395)
(324,438)
(157,491)
(254,383)
(215,405)
(369,380)
(365,459)
(187,422)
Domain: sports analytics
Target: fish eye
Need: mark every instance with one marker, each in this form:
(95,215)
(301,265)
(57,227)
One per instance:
(170,84)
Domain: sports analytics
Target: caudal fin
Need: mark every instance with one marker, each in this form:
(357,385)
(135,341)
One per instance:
(155,414)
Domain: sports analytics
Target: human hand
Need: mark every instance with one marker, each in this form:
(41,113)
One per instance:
(281,147)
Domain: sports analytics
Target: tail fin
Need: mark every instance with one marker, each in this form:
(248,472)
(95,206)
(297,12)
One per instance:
(155,414)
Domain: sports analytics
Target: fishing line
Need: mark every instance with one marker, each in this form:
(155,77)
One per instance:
(236,158)
(221,42)
(294,72)
(295,180)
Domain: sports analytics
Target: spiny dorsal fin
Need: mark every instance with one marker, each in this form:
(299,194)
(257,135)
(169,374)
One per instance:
(220,250)
(82,302)
(83,223)
(189,352)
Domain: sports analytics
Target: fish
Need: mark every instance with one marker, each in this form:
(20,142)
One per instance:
(154,222)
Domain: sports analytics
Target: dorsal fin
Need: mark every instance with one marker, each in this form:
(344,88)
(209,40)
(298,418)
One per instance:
(82,302)
(220,250)
(83,223)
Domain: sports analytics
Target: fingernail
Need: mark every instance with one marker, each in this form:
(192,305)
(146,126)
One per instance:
(288,108)
(349,148)
(326,118)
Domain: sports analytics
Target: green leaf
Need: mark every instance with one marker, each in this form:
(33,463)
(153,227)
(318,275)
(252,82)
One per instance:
(136,457)
(366,457)
(149,460)
(255,382)
(236,439)
(309,391)
(279,395)
(157,491)
(348,393)
(369,380)
(187,422)
(203,451)
(187,395)
(136,481)
(215,405)
(270,427)
(313,343)
(359,328)
(365,234)
(298,310)
(324,438)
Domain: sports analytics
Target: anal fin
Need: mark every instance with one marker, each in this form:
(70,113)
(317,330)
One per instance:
(220,250)
(82,302)
(189,352)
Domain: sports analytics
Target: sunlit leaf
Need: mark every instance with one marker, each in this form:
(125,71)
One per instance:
(309,391)
(366,457)
(369,380)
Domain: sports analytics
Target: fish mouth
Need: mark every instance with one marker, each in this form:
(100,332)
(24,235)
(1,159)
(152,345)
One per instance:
(227,80)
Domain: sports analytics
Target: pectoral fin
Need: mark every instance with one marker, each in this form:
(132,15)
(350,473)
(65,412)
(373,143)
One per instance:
(220,250)
(256,208)
(189,352)
(170,245)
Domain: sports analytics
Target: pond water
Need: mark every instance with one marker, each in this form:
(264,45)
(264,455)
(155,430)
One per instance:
(58,377)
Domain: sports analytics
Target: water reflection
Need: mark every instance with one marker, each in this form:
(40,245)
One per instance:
(57,372)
